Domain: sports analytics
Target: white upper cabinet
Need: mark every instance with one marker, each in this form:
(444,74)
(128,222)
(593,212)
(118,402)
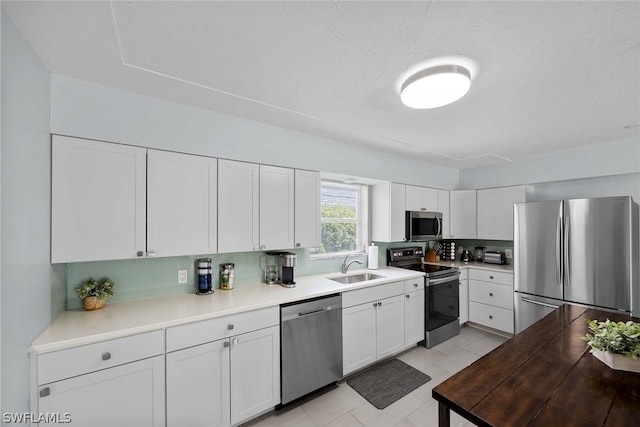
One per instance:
(387,213)
(181,204)
(443,207)
(238,206)
(495,211)
(98,200)
(462,214)
(421,199)
(307,209)
(276,207)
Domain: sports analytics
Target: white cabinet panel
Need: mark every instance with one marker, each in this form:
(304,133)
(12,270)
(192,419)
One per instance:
(238,206)
(358,336)
(388,211)
(198,386)
(414,316)
(390,326)
(443,207)
(495,211)
(276,207)
(255,373)
(307,231)
(98,200)
(134,393)
(462,214)
(181,204)
(464,297)
(421,199)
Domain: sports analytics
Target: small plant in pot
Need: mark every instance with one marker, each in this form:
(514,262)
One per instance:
(94,293)
(616,344)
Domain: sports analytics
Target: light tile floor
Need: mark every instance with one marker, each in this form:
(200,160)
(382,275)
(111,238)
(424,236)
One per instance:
(342,406)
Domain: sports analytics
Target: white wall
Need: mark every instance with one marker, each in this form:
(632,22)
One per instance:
(94,111)
(596,160)
(26,275)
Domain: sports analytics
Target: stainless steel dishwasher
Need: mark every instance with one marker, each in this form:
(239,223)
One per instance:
(311,345)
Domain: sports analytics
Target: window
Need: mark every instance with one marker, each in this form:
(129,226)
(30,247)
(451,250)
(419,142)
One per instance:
(343,213)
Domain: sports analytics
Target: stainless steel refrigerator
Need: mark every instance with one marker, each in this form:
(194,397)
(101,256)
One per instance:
(582,251)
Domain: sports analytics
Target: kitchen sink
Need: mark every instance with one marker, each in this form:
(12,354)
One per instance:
(355,278)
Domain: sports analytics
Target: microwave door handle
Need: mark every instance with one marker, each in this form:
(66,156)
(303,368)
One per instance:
(439,221)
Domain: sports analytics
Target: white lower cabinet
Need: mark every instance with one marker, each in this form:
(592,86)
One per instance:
(372,324)
(126,374)
(491,299)
(223,371)
(198,386)
(413,312)
(464,296)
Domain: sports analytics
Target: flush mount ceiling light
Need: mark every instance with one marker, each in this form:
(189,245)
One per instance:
(436,86)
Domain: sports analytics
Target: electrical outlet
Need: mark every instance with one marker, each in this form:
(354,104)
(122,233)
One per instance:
(508,253)
(182,277)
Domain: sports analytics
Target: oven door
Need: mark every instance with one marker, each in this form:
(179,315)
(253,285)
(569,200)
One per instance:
(441,301)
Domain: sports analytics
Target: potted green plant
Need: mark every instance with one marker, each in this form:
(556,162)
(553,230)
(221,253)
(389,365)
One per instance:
(94,293)
(617,344)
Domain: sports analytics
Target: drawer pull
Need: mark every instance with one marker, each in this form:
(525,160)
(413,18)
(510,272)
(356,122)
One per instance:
(140,253)
(490,317)
(106,356)
(407,296)
(380,304)
(491,277)
(415,285)
(230,326)
(490,294)
(45,392)
(375,304)
(225,344)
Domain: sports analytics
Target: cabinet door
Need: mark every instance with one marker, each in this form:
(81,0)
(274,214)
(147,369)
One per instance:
(181,204)
(387,212)
(198,386)
(495,211)
(443,207)
(238,206)
(413,317)
(307,231)
(421,199)
(130,394)
(463,214)
(98,200)
(255,373)
(358,336)
(390,326)
(276,207)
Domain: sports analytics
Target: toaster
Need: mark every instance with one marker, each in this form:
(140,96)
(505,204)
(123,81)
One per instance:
(495,257)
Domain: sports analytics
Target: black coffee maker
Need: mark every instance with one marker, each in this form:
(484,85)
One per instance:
(287,263)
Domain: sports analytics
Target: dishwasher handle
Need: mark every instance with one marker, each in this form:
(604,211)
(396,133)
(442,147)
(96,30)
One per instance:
(309,313)
(314,307)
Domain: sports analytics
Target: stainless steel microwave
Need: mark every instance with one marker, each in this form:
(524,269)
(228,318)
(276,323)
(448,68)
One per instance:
(422,226)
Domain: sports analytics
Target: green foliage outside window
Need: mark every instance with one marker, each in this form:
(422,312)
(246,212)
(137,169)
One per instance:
(341,235)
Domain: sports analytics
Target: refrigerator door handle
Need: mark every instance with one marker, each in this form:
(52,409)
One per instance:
(544,304)
(567,253)
(559,251)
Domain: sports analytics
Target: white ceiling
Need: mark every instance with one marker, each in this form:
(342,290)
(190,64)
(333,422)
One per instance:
(550,75)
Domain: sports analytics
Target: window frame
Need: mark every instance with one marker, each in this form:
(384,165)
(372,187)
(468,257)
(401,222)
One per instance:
(361,220)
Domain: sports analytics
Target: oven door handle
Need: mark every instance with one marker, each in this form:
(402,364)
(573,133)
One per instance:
(441,280)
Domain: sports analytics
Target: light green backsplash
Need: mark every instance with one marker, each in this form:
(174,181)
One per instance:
(145,278)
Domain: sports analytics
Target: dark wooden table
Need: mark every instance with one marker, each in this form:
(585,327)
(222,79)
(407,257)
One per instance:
(544,376)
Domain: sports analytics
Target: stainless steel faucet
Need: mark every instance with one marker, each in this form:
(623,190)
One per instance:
(345,264)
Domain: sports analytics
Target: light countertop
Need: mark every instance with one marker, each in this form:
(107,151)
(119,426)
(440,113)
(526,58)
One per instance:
(79,327)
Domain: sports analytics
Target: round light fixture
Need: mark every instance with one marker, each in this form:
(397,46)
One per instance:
(436,86)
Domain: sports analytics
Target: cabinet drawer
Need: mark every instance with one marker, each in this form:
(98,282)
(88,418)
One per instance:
(493,317)
(75,361)
(413,285)
(491,293)
(196,333)
(491,276)
(373,293)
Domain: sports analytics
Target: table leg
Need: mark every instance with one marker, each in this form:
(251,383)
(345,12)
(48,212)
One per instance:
(444,415)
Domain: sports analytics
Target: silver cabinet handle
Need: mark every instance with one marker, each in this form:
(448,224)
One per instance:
(491,277)
(140,253)
(375,304)
(298,245)
(380,304)
(230,326)
(106,356)
(225,344)
(415,285)
(45,392)
(490,294)
(490,317)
